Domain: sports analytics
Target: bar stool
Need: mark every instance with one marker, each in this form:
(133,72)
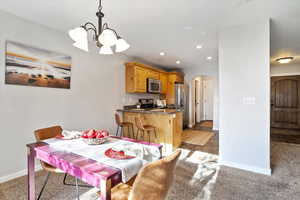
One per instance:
(122,125)
(148,128)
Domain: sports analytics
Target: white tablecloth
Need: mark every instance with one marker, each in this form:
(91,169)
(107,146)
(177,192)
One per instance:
(129,168)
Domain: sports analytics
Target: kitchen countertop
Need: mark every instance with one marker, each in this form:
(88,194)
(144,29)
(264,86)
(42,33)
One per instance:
(152,111)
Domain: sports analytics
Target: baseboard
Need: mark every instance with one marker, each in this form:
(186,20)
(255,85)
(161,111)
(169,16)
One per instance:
(18,174)
(246,167)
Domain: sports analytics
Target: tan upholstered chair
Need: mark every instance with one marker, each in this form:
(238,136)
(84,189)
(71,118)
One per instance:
(47,133)
(144,128)
(122,125)
(152,183)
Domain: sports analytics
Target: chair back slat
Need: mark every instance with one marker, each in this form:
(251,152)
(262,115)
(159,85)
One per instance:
(46,133)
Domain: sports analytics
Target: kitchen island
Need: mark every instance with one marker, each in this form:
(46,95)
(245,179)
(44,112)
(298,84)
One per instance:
(167,121)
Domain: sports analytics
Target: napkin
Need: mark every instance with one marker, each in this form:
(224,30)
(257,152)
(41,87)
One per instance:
(71,134)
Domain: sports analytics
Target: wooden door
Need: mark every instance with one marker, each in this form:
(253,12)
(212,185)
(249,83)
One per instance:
(208,98)
(285,102)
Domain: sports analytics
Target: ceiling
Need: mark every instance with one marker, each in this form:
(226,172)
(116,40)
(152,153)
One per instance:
(175,27)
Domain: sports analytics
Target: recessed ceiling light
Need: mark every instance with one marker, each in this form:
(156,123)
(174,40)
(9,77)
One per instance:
(199,47)
(162,53)
(178,62)
(284,60)
(209,58)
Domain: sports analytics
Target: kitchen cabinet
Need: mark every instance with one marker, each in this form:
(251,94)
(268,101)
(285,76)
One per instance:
(169,127)
(136,79)
(153,74)
(164,82)
(137,75)
(173,78)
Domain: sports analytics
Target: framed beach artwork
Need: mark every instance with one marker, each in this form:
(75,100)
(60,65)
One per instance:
(32,66)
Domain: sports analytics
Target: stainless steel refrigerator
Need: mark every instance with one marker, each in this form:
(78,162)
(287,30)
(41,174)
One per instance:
(181,101)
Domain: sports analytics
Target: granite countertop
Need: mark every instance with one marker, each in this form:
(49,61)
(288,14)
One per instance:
(152,111)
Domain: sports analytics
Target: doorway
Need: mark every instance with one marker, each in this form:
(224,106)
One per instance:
(203,102)
(285,109)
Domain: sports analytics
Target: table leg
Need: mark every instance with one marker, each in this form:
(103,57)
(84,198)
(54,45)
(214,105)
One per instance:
(105,190)
(30,174)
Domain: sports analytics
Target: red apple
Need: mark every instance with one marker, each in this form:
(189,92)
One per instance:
(84,135)
(105,133)
(99,135)
(91,133)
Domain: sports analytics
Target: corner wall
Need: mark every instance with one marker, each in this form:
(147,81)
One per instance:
(244,71)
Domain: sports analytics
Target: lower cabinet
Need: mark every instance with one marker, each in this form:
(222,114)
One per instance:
(169,128)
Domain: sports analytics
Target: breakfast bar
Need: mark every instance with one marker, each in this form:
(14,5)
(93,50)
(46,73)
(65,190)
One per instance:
(168,123)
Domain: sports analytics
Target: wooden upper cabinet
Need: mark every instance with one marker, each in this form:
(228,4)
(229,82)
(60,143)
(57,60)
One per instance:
(173,78)
(137,75)
(164,82)
(140,79)
(136,79)
(153,74)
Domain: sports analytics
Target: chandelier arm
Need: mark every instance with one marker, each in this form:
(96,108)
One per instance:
(115,32)
(85,26)
(94,31)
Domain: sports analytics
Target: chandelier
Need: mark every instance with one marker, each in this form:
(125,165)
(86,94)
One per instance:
(105,38)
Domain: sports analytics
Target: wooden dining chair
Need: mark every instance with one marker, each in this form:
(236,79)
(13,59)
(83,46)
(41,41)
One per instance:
(47,133)
(152,182)
(144,128)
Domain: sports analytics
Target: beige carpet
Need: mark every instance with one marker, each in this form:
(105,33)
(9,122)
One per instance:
(197,137)
(284,184)
(198,177)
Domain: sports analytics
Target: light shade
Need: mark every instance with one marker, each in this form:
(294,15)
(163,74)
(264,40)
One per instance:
(121,45)
(106,50)
(82,45)
(108,38)
(78,34)
(284,60)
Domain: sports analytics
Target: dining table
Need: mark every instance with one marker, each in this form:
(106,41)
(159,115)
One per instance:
(95,172)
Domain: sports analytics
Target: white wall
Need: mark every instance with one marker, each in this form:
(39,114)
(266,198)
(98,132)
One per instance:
(192,73)
(285,69)
(97,90)
(244,53)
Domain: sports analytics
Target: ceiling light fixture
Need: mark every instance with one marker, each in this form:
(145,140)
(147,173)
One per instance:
(209,58)
(178,62)
(104,37)
(162,53)
(284,60)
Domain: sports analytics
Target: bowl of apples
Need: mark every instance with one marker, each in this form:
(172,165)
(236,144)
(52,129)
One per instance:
(94,137)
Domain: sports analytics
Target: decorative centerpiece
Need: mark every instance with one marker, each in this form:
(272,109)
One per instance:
(94,137)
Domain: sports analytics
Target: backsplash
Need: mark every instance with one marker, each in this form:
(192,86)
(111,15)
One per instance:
(132,99)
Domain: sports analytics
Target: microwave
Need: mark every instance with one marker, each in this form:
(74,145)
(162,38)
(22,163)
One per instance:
(153,86)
